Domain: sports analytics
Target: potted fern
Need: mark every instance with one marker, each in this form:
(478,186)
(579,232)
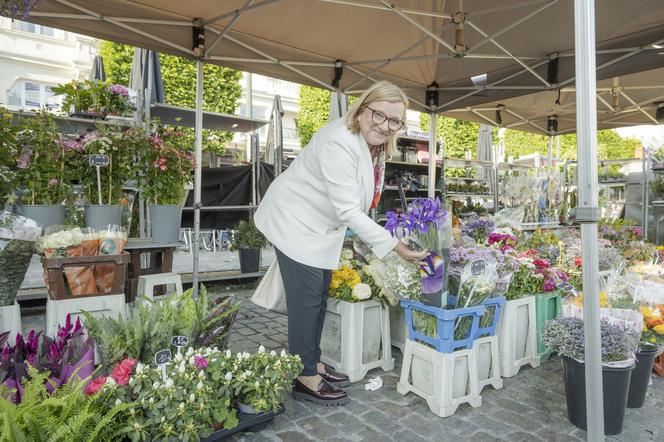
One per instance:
(248,241)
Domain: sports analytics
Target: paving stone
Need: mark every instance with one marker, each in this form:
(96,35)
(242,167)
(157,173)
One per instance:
(457,425)
(392,408)
(550,435)
(408,436)
(497,428)
(382,421)
(481,436)
(418,424)
(348,423)
(253,437)
(510,404)
(317,428)
(521,436)
(518,420)
(293,436)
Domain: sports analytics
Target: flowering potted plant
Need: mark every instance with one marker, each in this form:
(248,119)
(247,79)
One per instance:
(478,230)
(9,152)
(566,337)
(168,169)
(119,103)
(248,241)
(43,171)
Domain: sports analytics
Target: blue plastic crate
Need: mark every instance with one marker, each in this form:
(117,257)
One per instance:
(444,342)
(497,305)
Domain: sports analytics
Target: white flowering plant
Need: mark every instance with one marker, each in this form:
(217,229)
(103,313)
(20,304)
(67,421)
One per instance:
(260,380)
(352,282)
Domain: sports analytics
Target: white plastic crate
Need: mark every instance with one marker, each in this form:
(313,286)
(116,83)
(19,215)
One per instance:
(57,310)
(488,363)
(398,328)
(517,336)
(444,380)
(356,338)
(10,320)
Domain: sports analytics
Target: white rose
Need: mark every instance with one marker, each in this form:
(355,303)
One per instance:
(118,402)
(200,386)
(178,357)
(228,376)
(261,349)
(139,368)
(283,353)
(155,385)
(169,383)
(181,368)
(346,254)
(273,353)
(362,291)
(192,397)
(228,353)
(190,351)
(246,355)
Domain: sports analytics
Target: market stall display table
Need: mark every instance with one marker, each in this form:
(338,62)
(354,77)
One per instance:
(160,261)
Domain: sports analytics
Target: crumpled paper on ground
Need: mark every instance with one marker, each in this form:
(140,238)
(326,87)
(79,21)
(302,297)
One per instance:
(374,384)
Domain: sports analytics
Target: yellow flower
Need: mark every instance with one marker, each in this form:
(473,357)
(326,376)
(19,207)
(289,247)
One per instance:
(659,329)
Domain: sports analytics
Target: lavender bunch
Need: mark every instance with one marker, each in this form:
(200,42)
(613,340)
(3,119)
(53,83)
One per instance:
(478,230)
(565,336)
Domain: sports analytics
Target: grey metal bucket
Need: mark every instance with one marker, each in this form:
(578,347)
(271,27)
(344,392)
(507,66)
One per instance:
(100,216)
(165,223)
(45,215)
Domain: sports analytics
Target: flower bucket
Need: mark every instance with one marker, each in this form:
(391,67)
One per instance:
(517,336)
(45,215)
(100,216)
(250,260)
(640,378)
(615,386)
(547,306)
(165,223)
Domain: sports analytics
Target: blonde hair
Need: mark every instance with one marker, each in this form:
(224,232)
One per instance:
(380,91)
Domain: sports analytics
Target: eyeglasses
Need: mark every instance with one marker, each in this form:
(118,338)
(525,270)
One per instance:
(379,118)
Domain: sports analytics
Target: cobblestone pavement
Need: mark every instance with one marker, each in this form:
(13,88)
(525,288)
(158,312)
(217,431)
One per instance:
(531,406)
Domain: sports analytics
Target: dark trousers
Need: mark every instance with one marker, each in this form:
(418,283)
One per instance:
(306,296)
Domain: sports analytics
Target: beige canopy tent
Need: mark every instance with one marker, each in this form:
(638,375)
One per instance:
(445,54)
(621,101)
(510,47)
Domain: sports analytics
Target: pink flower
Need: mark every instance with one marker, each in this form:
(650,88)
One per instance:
(53,182)
(94,386)
(200,362)
(163,167)
(123,371)
(541,263)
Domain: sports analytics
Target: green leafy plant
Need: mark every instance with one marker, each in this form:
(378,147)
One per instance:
(9,152)
(247,236)
(43,168)
(66,414)
(657,187)
(169,168)
(149,326)
(83,96)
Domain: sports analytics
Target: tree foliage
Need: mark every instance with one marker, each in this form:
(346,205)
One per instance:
(314,111)
(222,88)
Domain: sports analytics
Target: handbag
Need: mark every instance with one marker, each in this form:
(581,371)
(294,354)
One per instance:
(270,293)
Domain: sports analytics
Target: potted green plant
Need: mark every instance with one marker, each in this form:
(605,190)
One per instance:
(9,153)
(657,188)
(168,169)
(566,337)
(118,101)
(105,196)
(43,170)
(248,241)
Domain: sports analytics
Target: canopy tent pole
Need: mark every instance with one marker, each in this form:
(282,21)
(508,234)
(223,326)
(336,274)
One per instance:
(431,189)
(198,130)
(587,210)
(550,157)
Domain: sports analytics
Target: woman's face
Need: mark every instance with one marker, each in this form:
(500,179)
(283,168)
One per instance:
(380,120)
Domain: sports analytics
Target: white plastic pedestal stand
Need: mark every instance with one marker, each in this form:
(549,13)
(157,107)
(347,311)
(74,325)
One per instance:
(488,363)
(147,283)
(356,338)
(517,336)
(106,305)
(10,320)
(398,328)
(444,380)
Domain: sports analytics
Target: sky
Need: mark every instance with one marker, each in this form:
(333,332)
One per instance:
(650,136)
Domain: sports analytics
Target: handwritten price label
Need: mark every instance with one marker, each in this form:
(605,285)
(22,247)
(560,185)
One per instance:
(180,341)
(162,357)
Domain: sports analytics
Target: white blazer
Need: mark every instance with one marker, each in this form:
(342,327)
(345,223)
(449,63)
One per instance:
(327,188)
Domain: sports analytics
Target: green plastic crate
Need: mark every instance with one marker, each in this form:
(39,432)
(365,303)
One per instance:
(547,306)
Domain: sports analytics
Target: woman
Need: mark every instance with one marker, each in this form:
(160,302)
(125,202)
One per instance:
(329,187)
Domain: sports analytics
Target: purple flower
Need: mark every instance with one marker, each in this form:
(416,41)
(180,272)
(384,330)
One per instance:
(548,285)
(118,89)
(53,182)
(200,362)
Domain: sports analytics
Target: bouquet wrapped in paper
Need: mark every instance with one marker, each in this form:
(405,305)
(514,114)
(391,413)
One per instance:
(17,241)
(60,242)
(424,227)
(395,277)
(112,241)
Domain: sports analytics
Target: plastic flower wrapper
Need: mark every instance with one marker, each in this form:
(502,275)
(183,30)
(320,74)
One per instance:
(17,242)
(424,227)
(396,278)
(511,218)
(112,241)
(477,284)
(351,283)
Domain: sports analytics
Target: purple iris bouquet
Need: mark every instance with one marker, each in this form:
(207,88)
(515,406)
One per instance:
(422,226)
(478,230)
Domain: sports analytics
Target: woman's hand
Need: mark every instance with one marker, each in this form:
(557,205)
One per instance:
(409,254)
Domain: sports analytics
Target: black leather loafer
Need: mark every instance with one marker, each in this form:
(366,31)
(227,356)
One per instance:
(335,378)
(326,394)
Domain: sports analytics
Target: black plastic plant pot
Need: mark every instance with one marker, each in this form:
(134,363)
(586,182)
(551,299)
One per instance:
(615,385)
(250,260)
(638,384)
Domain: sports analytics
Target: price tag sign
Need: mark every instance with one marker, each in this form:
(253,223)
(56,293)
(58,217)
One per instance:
(180,342)
(161,358)
(98,160)
(477,267)
(566,287)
